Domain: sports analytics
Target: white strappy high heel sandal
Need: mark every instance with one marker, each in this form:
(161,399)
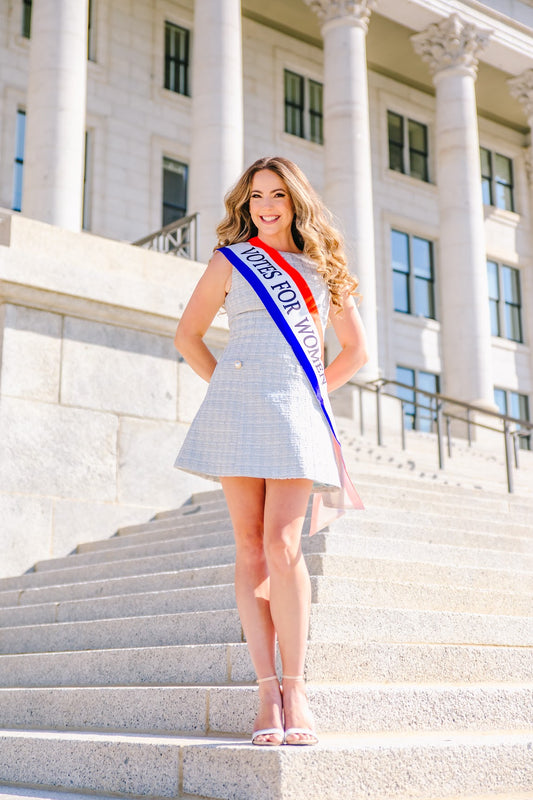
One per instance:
(295,731)
(268,731)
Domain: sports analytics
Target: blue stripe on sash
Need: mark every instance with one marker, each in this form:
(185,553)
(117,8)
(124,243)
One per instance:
(272,308)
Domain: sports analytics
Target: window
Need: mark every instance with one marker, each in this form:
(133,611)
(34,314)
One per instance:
(91,39)
(514,405)
(419,410)
(303,107)
(496,180)
(413,275)
(26,18)
(505,301)
(20,132)
(174,190)
(86,212)
(176,59)
(408,146)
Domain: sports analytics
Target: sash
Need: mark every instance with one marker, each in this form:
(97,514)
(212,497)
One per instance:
(290,302)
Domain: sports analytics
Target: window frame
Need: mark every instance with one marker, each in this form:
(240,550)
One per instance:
(404,147)
(182,65)
(25,23)
(502,303)
(416,416)
(165,205)
(524,442)
(310,117)
(490,180)
(412,278)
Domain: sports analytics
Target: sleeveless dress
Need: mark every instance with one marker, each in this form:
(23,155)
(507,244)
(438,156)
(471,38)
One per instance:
(260,417)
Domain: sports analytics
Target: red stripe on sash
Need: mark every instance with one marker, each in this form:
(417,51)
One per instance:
(299,280)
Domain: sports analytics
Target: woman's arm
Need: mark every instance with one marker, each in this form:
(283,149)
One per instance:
(205,301)
(349,329)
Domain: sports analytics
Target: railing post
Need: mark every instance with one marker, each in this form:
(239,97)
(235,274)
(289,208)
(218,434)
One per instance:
(378,413)
(516,448)
(439,435)
(449,435)
(468,427)
(508,461)
(403,425)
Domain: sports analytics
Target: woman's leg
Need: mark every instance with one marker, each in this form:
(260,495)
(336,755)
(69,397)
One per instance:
(290,591)
(245,498)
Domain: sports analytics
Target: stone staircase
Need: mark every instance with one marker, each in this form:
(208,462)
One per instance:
(123,670)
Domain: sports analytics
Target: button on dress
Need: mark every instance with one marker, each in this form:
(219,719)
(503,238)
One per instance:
(260,417)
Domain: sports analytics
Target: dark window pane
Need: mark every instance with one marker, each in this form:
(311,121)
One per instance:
(315,112)
(513,324)
(492,274)
(294,103)
(176,59)
(511,285)
(18,168)
(26,18)
(422,258)
(405,375)
(418,150)
(419,166)
(519,408)
(500,398)
(504,197)
(502,169)
(400,251)
(494,317)
(400,283)
(174,190)
(486,167)
(396,142)
(424,298)
(486,191)
(425,414)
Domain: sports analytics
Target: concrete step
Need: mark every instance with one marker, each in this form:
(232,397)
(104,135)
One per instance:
(337,591)
(364,524)
(184,578)
(199,627)
(327,623)
(214,664)
(205,710)
(345,537)
(391,766)
(333,566)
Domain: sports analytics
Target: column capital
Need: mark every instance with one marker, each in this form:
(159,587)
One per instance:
(521,87)
(352,12)
(451,44)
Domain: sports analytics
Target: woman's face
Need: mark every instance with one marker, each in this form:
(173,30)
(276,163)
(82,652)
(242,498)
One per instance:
(271,207)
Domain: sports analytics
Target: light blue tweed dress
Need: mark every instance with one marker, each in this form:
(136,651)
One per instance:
(261,418)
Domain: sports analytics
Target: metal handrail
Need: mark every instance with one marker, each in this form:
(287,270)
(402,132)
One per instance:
(178,238)
(436,408)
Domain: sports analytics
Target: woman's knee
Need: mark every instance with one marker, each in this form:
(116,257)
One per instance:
(282,551)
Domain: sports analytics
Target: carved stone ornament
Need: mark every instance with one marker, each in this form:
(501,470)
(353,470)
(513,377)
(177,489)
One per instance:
(451,43)
(357,11)
(528,161)
(522,88)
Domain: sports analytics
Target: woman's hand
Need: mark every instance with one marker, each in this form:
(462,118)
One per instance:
(205,301)
(348,327)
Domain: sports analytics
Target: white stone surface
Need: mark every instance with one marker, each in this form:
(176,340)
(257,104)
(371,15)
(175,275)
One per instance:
(120,370)
(25,531)
(31,353)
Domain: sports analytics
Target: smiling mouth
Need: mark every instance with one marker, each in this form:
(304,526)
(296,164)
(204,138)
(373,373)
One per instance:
(269,219)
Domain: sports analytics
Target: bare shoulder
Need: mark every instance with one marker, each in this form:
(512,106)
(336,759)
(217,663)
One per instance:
(219,269)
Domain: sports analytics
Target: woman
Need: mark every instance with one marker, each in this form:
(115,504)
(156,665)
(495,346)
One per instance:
(261,430)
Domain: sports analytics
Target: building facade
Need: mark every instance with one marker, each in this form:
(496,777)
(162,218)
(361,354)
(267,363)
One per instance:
(412,119)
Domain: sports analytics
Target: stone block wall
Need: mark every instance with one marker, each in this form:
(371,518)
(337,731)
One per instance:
(93,409)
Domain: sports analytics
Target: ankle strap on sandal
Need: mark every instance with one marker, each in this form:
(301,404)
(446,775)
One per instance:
(293,677)
(270,678)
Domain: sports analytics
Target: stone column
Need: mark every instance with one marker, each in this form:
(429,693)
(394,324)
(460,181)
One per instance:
(217,114)
(55,113)
(348,171)
(451,48)
(522,88)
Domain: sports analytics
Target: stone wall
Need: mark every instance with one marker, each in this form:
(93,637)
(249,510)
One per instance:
(94,399)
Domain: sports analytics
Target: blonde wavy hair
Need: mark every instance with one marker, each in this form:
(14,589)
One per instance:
(312,228)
